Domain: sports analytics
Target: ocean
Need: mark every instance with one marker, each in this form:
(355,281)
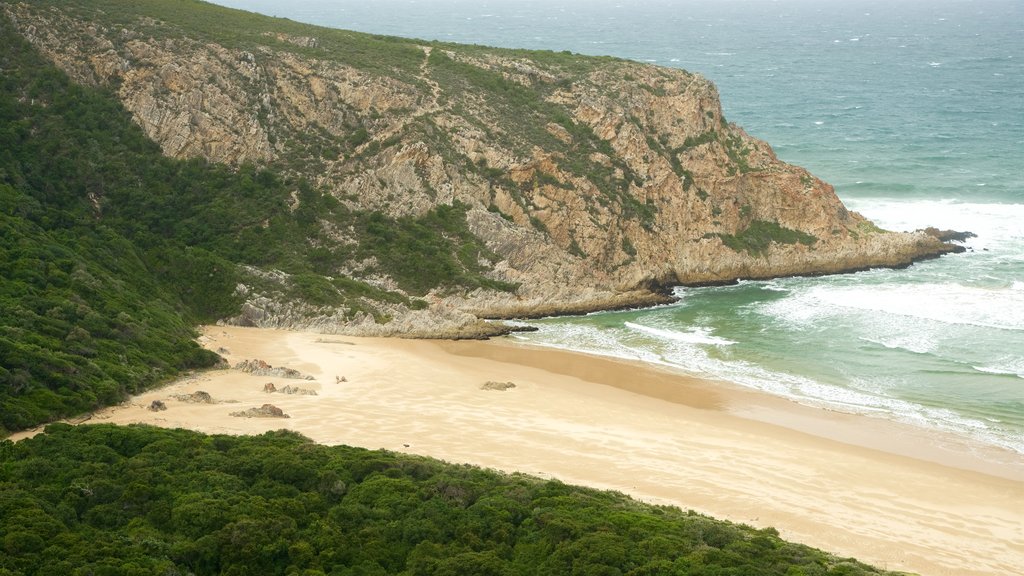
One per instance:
(913,110)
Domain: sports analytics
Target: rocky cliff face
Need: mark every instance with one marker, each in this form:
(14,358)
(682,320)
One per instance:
(596,182)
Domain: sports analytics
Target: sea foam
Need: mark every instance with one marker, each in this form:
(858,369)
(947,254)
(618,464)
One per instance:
(697,335)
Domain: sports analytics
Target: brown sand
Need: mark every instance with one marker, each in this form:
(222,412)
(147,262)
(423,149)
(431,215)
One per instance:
(887,494)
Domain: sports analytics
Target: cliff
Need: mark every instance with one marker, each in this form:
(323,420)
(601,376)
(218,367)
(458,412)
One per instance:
(589,182)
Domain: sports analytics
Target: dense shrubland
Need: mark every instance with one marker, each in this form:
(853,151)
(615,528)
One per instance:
(140,500)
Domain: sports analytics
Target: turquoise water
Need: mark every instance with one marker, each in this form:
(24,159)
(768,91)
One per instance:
(913,110)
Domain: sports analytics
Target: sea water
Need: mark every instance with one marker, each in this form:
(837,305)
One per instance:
(914,110)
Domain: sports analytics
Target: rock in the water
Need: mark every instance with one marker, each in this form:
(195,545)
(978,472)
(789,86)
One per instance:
(949,235)
(499,386)
(157,406)
(265,411)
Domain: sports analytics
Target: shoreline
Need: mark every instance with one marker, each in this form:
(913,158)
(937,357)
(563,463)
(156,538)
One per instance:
(848,484)
(881,433)
(662,294)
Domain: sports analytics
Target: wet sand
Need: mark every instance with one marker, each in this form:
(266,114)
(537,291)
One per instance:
(895,496)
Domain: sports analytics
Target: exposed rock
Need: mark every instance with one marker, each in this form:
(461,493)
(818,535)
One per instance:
(500,386)
(197,397)
(289,389)
(269,388)
(265,411)
(260,368)
(223,350)
(157,406)
(949,235)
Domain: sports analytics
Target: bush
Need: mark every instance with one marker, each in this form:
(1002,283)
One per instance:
(85,499)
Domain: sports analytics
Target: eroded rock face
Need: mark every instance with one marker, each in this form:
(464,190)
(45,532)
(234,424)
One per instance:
(637,185)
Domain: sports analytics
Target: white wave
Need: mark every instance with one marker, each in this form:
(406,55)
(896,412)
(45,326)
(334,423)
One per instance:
(1009,366)
(698,335)
(997,225)
(947,303)
(915,344)
(863,397)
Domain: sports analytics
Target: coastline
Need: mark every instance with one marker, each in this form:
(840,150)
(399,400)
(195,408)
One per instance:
(852,485)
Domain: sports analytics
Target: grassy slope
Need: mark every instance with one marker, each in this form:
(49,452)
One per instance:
(141,500)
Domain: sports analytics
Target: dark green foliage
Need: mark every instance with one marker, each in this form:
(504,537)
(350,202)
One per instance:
(83,321)
(141,500)
(628,247)
(701,139)
(436,249)
(756,238)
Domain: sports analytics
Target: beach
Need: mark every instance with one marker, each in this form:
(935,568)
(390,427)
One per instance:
(899,497)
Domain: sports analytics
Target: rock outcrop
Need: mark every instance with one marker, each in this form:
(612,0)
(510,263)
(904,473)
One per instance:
(197,397)
(597,183)
(258,367)
(265,411)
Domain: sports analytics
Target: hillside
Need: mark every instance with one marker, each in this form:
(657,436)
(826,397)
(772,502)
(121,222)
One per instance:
(140,500)
(578,183)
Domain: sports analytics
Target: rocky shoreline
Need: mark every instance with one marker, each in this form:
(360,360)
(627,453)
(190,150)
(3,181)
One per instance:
(467,319)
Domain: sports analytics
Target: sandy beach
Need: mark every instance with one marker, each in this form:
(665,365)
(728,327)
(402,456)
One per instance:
(888,494)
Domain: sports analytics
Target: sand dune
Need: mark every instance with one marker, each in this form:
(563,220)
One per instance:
(890,495)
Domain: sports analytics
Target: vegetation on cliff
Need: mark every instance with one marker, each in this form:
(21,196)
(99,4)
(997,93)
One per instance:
(139,500)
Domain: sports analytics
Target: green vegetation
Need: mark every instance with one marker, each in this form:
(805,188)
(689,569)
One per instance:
(628,247)
(111,252)
(434,250)
(140,500)
(85,316)
(760,234)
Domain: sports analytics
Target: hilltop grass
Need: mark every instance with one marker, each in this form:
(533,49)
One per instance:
(390,56)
